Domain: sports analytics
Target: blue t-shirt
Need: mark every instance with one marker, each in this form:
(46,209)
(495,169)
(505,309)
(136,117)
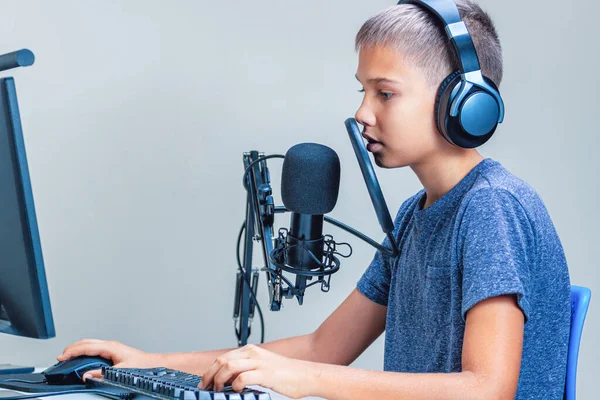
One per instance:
(490,235)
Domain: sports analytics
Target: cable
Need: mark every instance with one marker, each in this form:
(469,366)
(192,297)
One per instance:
(239,261)
(259,159)
(124,396)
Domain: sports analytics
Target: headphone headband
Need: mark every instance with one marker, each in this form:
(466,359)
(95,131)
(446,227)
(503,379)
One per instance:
(446,11)
(468,106)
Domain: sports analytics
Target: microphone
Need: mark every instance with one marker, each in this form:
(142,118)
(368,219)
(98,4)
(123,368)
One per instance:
(310,182)
(309,189)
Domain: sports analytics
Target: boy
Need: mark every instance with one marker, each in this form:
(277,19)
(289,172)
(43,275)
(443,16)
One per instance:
(477,304)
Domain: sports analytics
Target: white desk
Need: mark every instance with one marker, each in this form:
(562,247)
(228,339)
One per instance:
(90,396)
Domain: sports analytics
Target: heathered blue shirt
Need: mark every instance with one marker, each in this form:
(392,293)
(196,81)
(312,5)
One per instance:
(490,235)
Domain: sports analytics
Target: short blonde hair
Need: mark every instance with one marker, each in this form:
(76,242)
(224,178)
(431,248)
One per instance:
(422,40)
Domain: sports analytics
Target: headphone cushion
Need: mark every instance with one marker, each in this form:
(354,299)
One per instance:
(441,103)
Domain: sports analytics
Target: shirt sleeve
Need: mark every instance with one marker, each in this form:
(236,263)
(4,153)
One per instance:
(498,247)
(375,281)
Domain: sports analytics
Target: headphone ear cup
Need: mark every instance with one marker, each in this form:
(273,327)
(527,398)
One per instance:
(451,128)
(442,104)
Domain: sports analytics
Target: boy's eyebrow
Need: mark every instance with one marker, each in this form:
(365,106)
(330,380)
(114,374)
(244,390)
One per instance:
(378,80)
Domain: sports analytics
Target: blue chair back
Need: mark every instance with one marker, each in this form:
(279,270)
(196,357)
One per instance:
(580,300)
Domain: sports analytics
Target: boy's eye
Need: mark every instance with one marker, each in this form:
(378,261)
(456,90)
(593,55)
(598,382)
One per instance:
(385,95)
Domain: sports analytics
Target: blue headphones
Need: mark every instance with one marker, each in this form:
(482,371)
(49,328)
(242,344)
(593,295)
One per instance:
(468,106)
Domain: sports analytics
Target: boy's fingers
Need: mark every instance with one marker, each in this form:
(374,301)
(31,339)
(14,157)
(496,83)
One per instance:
(77,344)
(74,350)
(96,373)
(227,374)
(209,374)
(101,349)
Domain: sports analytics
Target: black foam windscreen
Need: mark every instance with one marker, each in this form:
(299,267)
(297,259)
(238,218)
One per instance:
(310,179)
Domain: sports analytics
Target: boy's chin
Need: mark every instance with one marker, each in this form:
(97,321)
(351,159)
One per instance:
(379,161)
(385,162)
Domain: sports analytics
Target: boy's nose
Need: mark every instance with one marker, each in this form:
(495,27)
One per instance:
(364,115)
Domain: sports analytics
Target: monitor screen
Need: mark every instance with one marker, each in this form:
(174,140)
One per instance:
(24,299)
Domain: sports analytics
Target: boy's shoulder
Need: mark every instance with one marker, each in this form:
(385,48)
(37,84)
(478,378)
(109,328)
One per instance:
(496,185)
(495,176)
(488,185)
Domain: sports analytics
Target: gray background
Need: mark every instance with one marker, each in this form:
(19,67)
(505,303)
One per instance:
(136,115)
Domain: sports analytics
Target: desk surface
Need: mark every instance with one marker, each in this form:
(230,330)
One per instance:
(90,396)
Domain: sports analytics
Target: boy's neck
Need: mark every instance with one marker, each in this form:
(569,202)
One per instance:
(439,174)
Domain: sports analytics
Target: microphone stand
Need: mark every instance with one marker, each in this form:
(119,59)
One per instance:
(260,214)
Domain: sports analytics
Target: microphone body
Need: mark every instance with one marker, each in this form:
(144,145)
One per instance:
(305,243)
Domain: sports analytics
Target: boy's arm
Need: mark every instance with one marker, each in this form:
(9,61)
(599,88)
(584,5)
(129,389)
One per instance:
(344,335)
(491,362)
(349,330)
(340,339)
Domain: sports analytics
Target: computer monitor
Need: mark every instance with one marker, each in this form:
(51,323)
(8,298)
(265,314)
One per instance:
(24,299)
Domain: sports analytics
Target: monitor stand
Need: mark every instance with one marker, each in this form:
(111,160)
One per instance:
(6,327)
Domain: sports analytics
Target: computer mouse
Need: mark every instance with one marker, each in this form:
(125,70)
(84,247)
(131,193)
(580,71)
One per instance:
(70,372)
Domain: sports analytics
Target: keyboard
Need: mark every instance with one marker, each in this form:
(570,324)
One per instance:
(164,384)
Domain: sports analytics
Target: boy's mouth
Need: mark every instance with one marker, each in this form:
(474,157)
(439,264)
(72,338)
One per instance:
(372,145)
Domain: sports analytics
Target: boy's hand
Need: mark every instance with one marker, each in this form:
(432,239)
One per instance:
(122,356)
(253,365)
